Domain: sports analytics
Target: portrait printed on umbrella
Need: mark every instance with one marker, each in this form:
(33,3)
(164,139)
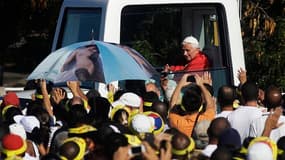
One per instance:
(83,64)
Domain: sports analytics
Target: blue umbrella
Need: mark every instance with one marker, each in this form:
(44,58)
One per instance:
(94,61)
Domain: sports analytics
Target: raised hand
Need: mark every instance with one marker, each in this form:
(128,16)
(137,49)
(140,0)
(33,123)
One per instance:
(57,95)
(242,76)
(207,78)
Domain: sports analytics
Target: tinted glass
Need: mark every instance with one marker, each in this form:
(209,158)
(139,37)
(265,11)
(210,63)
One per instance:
(80,25)
(156,31)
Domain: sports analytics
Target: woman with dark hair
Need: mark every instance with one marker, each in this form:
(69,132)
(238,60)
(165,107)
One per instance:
(197,104)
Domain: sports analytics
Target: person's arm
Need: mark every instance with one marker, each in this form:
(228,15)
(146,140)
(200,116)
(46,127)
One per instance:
(176,94)
(80,92)
(76,91)
(272,122)
(46,99)
(42,149)
(73,86)
(210,103)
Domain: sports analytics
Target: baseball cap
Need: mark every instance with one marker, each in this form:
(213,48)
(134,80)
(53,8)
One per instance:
(128,99)
(18,129)
(131,99)
(29,122)
(157,121)
(262,148)
(141,123)
(230,138)
(13,145)
(11,98)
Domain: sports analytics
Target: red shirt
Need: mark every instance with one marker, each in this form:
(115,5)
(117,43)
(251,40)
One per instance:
(199,62)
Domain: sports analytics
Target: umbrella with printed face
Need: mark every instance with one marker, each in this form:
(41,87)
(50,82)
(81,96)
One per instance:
(95,61)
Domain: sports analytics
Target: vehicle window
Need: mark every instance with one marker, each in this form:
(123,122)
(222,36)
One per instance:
(80,25)
(156,31)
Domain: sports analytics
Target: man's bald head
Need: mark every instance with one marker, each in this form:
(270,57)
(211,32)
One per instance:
(161,108)
(182,146)
(273,97)
(217,126)
(180,141)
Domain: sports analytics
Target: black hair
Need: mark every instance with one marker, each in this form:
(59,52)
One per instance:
(113,142)
(118,94)
(149,97)
(281,146)
(119,116)
(192,98)
(77,115)
(249,91)
(161,108)
(100,108)
(10,113)
(92,93)
(221,153)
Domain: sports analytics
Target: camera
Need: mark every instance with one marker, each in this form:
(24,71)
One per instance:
(149,137)
(136,150)
(191,78)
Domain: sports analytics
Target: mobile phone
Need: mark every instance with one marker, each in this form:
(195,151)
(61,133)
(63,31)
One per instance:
(136,150)
(191,78)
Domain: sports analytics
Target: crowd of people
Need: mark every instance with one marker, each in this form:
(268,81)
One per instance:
(169,121)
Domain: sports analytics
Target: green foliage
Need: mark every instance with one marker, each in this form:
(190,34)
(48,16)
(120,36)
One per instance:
(28,32)
(264,51)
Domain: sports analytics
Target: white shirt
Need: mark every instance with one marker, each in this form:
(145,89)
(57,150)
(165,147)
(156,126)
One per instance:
(241,118)
(223,114)
(209,149)
(257,127)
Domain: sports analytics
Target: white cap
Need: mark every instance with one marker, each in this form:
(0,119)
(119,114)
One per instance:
(18,129)
(129,99)
(192,40)
(260,151)
(28,122)
(142,123)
